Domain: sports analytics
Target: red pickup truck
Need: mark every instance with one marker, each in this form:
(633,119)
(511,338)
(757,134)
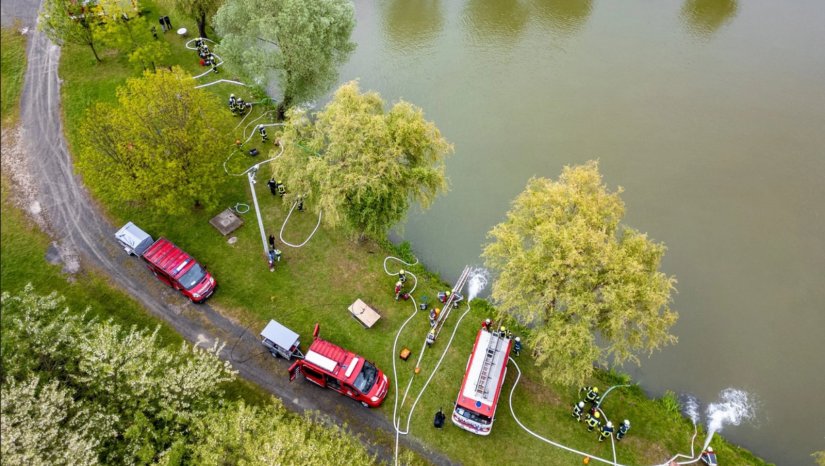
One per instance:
(330,366)
(169,263)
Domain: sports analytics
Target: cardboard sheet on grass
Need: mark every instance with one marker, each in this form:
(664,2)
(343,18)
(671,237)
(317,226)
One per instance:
(363,313)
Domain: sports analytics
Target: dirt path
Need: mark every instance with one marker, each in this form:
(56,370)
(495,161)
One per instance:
(84,238)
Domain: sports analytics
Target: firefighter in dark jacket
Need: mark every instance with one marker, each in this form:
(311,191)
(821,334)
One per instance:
(578,410)
(623,428)
(592,394)
(592,421)
(606,431)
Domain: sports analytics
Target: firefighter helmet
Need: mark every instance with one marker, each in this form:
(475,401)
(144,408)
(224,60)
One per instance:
(401,272)
(518,340)
(597,415)
(627,423)
(595,389)
(710,449)
(398,283)
(609,424)
(581,404)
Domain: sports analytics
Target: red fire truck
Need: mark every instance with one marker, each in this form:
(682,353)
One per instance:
(169,263)
(330,366)
(475,408)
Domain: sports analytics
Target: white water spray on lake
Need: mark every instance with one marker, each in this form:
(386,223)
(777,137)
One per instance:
(690,406)
(734,407)
(477,282)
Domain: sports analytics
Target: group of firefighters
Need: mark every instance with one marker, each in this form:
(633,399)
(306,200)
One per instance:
(238,107)
(207,58)
(592,418)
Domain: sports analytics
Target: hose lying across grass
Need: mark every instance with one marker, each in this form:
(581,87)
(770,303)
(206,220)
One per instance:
(396,419)
(543,439)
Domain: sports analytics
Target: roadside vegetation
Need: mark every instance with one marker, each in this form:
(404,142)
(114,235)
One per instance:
(317,282)
(13,52)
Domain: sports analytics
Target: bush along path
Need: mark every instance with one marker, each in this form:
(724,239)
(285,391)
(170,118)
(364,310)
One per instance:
(72,219)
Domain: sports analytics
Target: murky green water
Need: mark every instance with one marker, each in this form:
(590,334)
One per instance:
(711,115)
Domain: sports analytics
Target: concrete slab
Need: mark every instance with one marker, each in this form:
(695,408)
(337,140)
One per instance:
(226,222)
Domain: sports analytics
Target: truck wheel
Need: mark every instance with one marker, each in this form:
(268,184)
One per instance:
(364,404)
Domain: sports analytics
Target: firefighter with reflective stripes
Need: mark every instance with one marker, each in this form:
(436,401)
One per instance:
(592,421)
(623,428)
(592,394)
(262,130)
(232,102)
(606,431)
(578,410)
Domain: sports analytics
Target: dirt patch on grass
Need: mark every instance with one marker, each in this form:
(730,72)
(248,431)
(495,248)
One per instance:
(15,168)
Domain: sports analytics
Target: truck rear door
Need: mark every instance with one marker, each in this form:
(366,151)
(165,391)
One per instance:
(293,370)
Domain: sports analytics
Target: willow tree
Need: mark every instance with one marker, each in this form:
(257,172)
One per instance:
(160,145)
(72,22)
(590,287)
(302,41)
(362,165)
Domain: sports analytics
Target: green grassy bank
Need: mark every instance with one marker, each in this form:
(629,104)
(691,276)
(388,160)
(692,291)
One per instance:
(316,283)
(13,64)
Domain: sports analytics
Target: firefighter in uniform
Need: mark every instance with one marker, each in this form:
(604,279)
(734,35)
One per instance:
(402,275)
(262,130)
(232,104)
(592,394)
(486,323)
(623,428)
(273,186)
(578,410)
(434,316)
(517,346)
(606,431)
(398,286)
(592,421)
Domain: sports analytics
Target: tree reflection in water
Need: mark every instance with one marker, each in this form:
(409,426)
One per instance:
(705,17)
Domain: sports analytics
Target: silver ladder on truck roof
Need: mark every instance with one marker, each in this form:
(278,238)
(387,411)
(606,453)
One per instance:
(493,347)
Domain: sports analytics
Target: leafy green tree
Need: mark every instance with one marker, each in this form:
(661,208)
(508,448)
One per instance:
(241,434)
(362,165)
(302,41)
(568,268)
(73,22)
(161,144)
(41,424)
(819,457)
(199,11)
(132,35)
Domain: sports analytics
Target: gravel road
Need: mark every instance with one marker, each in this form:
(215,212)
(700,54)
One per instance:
(84,239)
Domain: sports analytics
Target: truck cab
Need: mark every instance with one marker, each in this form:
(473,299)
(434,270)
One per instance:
(168,263)
(330,366)
(173,266)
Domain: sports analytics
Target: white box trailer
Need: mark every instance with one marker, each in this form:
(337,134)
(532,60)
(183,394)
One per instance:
(134,240)
(281,341)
